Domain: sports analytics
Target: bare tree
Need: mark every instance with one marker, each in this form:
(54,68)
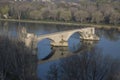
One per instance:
(20,8)
(53,14)
(81,16)
(35,15)
(65,15)
(97,17)
(115,17)
(45,13)
(17,62)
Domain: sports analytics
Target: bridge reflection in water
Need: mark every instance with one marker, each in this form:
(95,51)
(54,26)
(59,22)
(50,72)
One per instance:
(63,52)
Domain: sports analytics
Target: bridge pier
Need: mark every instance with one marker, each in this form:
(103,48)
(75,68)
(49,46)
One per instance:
(90,37)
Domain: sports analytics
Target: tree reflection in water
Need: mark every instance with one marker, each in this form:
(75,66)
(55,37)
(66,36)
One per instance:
(88,65)
(111,34)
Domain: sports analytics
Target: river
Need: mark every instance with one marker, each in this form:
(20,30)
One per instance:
(109,43)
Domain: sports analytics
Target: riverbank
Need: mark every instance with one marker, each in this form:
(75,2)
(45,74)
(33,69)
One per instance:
(64,23)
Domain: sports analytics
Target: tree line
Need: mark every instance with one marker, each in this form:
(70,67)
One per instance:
(85,11)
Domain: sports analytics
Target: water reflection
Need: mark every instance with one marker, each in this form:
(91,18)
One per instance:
(37,29)
(63,52)
(109,44)
(111,34)
(46,51)
(110,40)
(88,65)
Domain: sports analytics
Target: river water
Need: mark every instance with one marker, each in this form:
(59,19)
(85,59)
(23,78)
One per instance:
(109,43)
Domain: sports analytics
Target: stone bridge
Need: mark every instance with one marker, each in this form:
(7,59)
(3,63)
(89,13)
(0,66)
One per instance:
(58,38)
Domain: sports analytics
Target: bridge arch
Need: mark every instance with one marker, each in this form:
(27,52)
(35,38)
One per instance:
(44,48)
(51,40)
(71,34)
